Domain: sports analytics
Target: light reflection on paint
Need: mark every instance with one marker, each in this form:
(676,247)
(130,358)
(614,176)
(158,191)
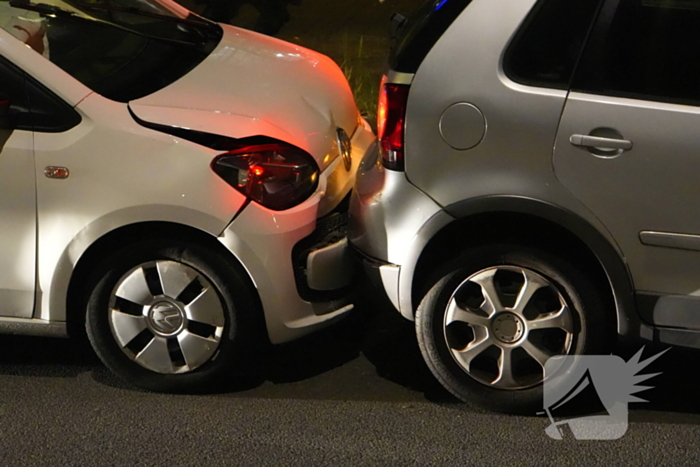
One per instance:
(24,254)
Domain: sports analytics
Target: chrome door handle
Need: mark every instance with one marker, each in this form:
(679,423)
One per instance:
(599,142)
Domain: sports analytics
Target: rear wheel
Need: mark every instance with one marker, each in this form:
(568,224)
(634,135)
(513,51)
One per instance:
(170,316)
(495,315)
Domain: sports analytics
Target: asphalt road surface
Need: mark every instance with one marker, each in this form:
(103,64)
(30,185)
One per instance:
(356,394)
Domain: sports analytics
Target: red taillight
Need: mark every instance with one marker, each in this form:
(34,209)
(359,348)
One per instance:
(391,121)
(277,175)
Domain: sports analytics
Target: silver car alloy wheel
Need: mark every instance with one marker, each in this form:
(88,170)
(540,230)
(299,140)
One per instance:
(167,317)
(509,342)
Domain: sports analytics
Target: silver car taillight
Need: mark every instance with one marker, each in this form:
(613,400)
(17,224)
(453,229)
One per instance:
(391,121)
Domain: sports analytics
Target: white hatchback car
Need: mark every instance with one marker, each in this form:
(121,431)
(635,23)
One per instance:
(175,184)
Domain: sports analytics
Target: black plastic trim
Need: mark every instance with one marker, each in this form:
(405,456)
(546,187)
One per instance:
(670,311)
(209,140)
(370,267)
(645,305)
(679,337)
(330,229)
(629,322)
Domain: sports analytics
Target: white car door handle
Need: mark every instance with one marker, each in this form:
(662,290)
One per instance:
(588,141)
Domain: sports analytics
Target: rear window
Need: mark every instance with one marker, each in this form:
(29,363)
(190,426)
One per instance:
(121,49)
(422,31)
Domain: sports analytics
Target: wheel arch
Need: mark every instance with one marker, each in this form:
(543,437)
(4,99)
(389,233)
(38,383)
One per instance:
(540,224)
(129,234)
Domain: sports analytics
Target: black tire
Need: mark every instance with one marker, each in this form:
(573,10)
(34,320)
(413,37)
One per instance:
(237,328)
(592,325)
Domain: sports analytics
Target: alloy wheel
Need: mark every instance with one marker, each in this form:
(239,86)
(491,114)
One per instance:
(503,323)
(167,317)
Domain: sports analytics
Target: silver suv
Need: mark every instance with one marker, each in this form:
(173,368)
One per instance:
(535,190)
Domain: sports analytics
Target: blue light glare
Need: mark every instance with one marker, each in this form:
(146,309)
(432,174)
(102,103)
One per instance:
(440,4)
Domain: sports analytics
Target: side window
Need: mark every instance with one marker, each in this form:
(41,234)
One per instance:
(545,50)
(14,105)
(27,105)
(50,114)
(644,49)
